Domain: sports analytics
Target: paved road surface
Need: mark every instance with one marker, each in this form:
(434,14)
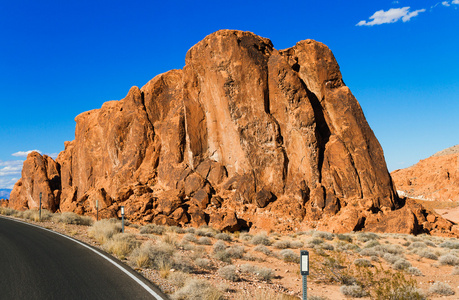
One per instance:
(38,264)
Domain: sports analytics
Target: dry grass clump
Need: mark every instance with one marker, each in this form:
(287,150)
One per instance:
(425,253)
(197,289)
(323,235)
(441,288)
(152,229)
(448,259)
(224,236)
(72,218)
(229,273)
(153,255)
(204,241)
(204,263)
(206,231)
(270,295)
(263,249)
(263,273)
(178,279)
(414,271)
(33,215)
(189,237)
(245,236)
(121,245)
(344,237)
(367,236)
(451,244)
(288,255)
(401,264)
(182,262)
(362,262)
(104,229)
(7,211)
(285,244)
(354,291)
(261,239)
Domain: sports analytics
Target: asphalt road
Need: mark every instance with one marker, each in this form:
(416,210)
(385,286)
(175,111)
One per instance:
(38,264)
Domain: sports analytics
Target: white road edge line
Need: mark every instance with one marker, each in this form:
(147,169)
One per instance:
(146,287)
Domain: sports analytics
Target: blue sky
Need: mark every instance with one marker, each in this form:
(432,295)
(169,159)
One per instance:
(61,58)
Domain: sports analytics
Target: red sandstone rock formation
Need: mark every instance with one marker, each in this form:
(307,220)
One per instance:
(434,178)
(244,136)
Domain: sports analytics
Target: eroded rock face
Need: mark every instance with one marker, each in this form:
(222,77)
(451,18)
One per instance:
(434,178)
(245,136)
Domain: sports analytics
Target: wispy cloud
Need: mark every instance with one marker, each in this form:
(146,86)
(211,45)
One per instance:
(24,153)
(446,3)
(10,172)
(391,16)
(455,2)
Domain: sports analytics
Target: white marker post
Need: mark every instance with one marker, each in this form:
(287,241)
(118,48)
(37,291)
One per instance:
(122,219)
(304,263)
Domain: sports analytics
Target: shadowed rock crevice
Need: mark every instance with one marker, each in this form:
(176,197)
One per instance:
(244,137)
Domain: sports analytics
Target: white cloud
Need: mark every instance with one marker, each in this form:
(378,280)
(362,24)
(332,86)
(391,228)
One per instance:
(391,16)
(24,153)
(445,3)
(10,171)
(455,2)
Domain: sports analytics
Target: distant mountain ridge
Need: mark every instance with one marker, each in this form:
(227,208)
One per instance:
(5,193)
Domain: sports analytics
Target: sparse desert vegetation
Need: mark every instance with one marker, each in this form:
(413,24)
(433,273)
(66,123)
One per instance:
(204,263)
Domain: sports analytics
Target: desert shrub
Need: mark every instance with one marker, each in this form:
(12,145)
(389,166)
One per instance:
(121,245)
(325,246)
(448,259)
(182,263)
(343,246)
(204,240)
(441,288)
(245,236)
(265,274)
(219,246)
(190,230)
(323,235)
(261,239)
(206,231)
(197,289)
(314,297)
(371,244)
(414,271)
(394,249)
(248,268)
(104,229)
(455,271)
(251,257)
(344,237)
(222,256)
(354,291)
(7,211)
(228,273)
(152,229)
(367,236)
(235,251)
(223,236)
(417,245)
(310,243)
(178,279)
(189,237)
(263,249)
(451,244)
(391,258)
(393,286)
(204,263)
(153,255)
(426,254)
(73,218)
(362,262)
(401,264)
(176,229)
(281,244)
(288,255)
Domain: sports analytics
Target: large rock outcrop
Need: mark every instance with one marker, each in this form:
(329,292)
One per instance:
(434,178)
(245,136)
